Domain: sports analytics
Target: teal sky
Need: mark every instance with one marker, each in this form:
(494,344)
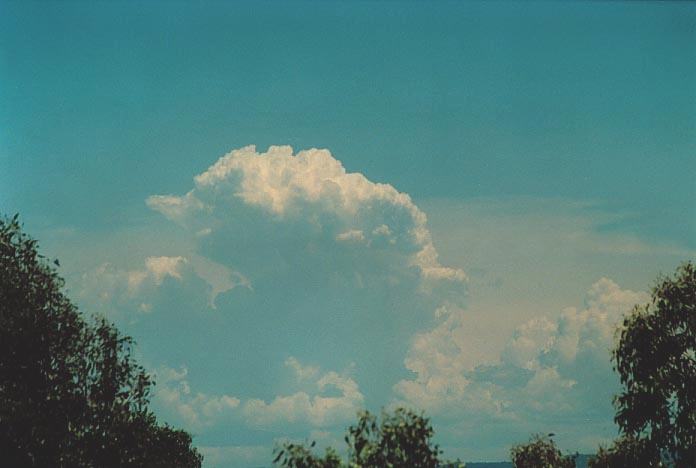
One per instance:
(552,147)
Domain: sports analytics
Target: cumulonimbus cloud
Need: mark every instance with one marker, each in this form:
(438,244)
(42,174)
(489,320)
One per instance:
(313,187)
(326,258)
(329,260)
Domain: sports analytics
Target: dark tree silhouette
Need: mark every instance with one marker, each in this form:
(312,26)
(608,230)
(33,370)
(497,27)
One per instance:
(540,452)
(656,361)
(402,439)
(625,452)
(298,456)
(71,394)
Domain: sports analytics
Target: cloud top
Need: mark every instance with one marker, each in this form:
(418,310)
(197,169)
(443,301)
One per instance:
(313,188)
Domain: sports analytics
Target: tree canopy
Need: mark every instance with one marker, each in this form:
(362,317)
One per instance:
(625,452)
(540,452)
(656,361)
(401,439)
(71,394)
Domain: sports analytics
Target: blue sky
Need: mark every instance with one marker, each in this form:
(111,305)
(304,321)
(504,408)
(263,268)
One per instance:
(550,145)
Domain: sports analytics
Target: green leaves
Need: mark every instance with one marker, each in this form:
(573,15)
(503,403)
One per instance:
(70,392)
(626,451)
(656,361)
(402,439)
(540,452)
(298,456)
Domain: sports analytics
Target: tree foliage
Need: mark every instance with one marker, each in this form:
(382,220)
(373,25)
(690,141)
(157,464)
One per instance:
(298,456)
(401,439)
(540,452)
(71,395)
(656,361)
(624,453)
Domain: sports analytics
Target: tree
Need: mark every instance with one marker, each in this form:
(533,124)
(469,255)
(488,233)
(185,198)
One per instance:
(625,452)
(402,439)
(71,394)
(298,456)
(656,361)
(540,452)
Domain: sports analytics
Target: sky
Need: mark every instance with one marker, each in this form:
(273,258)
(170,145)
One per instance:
(300,210)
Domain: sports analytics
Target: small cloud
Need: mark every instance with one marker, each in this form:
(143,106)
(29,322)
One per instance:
(161,267)
(302,372)
(317,409)
(353,235)
(120,292)
(196,409)
(382,230)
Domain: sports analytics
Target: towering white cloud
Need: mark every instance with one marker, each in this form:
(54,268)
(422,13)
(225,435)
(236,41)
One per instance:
(332,260)
(301,258)
(296,254)
(311,186)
